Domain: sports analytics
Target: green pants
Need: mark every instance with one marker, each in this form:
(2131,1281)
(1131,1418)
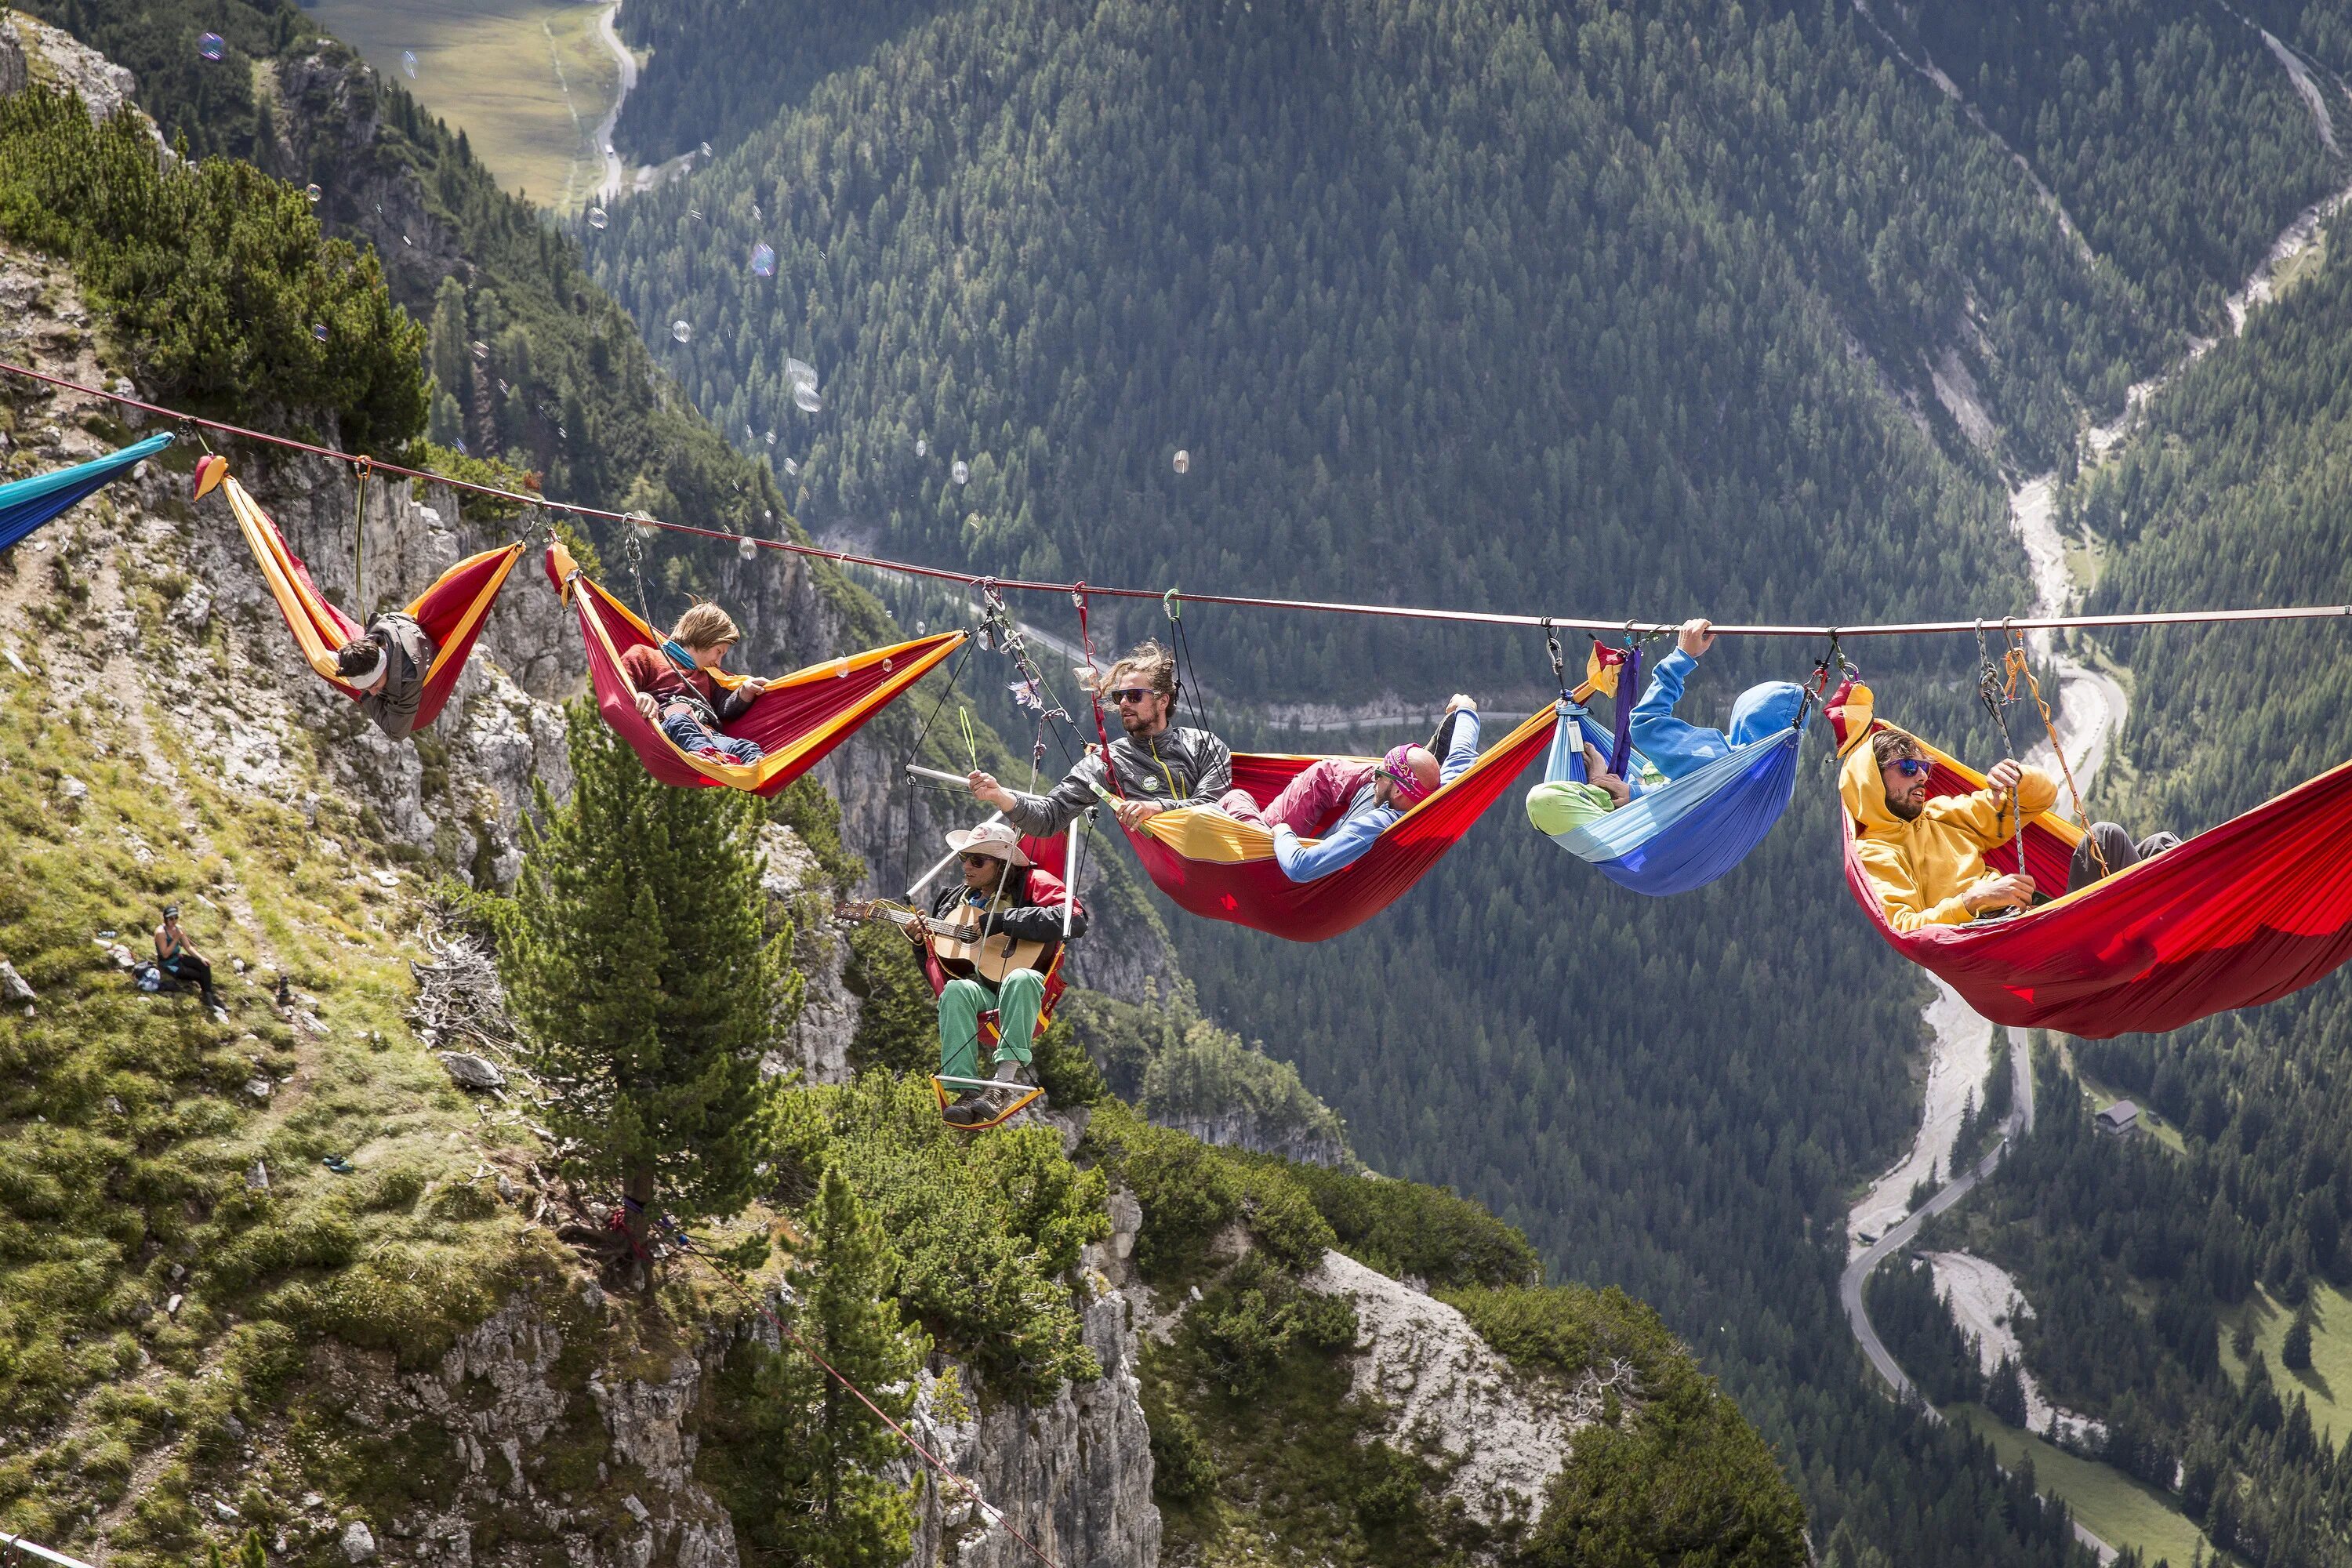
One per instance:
(960,1005)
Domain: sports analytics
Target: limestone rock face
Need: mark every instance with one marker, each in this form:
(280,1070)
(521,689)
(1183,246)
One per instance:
(39,55)
(817,1045)
(1073,1476)
(1443,1387)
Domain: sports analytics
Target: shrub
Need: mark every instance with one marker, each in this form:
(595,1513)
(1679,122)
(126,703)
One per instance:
(1183,1469)
(213,275)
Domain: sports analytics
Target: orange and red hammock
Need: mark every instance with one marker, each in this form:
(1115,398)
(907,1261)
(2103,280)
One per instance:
(2238,916)
(1222,869)
(451,611)
(798,720)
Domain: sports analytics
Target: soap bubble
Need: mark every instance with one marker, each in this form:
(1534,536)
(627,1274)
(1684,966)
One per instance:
(756,215)
(682,330)
(961,471)
(643,525)
(1183,461)
(805,399)
(772,437)
(313,194)
(922,447)
(481,351)
(319,331)
(800,372)
(746,547)
(706,149)
(763,259)
(212,46)
(920,628)
(561,434)
(597,218)
(408,64)
(694,214)
(458,446)
(790,467)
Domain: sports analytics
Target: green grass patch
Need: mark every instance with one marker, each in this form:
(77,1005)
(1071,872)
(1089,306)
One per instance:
(150,1297)
(2119,1510)
(2327,1385)
(529,81)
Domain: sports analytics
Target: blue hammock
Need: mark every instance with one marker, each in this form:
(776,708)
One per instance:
(26,504)
(1683,833)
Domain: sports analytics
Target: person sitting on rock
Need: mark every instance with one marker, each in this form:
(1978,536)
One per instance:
(176,956)
(1563,805)
(388,665)
(675,688)
(1002,890)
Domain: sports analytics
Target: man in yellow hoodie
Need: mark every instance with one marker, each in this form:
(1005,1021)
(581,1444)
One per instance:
(1925,857)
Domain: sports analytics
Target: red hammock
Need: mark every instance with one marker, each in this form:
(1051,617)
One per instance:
(451,611)
(1224,869)
(2236,917)
(798,720)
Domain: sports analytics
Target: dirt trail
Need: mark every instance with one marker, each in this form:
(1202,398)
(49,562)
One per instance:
(615,168)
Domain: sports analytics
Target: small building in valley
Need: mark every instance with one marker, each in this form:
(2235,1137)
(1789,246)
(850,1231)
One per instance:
(2120,1119)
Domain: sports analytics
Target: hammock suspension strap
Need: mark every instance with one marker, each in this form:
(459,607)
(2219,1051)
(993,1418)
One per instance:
(2017,664)
(1094,683)
(1995,694)
(360,467)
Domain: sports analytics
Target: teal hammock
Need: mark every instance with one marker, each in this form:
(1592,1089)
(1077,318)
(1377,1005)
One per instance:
(26,504)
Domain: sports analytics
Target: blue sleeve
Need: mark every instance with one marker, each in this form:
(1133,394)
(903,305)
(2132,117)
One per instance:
(1344,847)
(1464,750)
(1672,746)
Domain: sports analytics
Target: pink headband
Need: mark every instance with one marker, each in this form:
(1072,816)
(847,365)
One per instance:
(1398,766)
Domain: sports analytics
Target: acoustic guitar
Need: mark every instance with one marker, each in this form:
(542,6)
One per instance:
(950,941)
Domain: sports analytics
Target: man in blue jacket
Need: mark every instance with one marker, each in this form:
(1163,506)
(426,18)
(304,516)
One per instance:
(1676,747)
(1404,778)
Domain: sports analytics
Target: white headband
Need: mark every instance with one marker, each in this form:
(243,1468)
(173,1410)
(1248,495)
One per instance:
(367,676)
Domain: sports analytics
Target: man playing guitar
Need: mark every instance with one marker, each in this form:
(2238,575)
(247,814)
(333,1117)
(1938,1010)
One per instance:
(1003,895)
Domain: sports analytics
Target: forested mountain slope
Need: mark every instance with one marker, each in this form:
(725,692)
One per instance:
(2144,1263)
(1705,306)
(287,1277)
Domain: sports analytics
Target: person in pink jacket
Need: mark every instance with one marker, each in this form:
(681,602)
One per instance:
(1316,794)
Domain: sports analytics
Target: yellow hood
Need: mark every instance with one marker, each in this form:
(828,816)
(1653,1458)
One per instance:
(1859,784)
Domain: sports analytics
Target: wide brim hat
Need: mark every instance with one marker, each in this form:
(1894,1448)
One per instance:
(991,838)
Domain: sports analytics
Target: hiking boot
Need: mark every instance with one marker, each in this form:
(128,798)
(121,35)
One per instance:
(965,1109)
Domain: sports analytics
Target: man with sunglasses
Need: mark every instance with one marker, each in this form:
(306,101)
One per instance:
(1002,890)
(1156,765)
(1925,857)
(1378,794)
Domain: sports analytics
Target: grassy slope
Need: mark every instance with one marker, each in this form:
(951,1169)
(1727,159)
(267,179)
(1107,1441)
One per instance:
(129,1123)
(2328,1385)
(2111,1505)
(527,80)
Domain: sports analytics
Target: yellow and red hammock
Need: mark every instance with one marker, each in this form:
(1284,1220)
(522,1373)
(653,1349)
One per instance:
(798,720)
(2238,916)
(1222,868)
(451,611)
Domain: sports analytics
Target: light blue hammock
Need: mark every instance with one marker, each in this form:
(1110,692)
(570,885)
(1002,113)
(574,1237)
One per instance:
(26,504)
(1683,833)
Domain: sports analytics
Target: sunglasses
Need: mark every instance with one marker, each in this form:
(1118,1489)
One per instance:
(1913,767)
(1132,694)
(973,857)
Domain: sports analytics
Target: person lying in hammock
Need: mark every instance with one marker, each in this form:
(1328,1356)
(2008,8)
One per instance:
(1925,857)
(1159,766)
(1563,805)
(388,664)
(1677,748)
(1002,890)
(676,691)
(1374,795)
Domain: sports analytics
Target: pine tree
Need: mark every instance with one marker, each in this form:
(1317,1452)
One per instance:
(2295,1353)
(822,1445)
(636,956)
